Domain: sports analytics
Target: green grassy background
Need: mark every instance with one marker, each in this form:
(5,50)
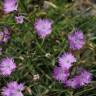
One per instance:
(36,56)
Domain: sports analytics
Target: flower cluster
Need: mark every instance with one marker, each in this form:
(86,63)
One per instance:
(83,78)
(7,66)
(62,73)
(66,61)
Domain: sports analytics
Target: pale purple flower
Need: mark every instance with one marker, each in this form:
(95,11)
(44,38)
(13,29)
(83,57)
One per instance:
(19,19)
(10,5)
(7,66)
(4,36)
(13,89)
(73,83)
(76,40)
(43,27)
(66,60)
(84,78)
(60,74)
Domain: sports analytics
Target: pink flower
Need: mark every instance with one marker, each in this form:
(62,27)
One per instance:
(13,89)
(43,27)
(10,5)
(84,78)
(66,60)
(73,83)
(76,40)
(7,66)
(60,74)
(19,19)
